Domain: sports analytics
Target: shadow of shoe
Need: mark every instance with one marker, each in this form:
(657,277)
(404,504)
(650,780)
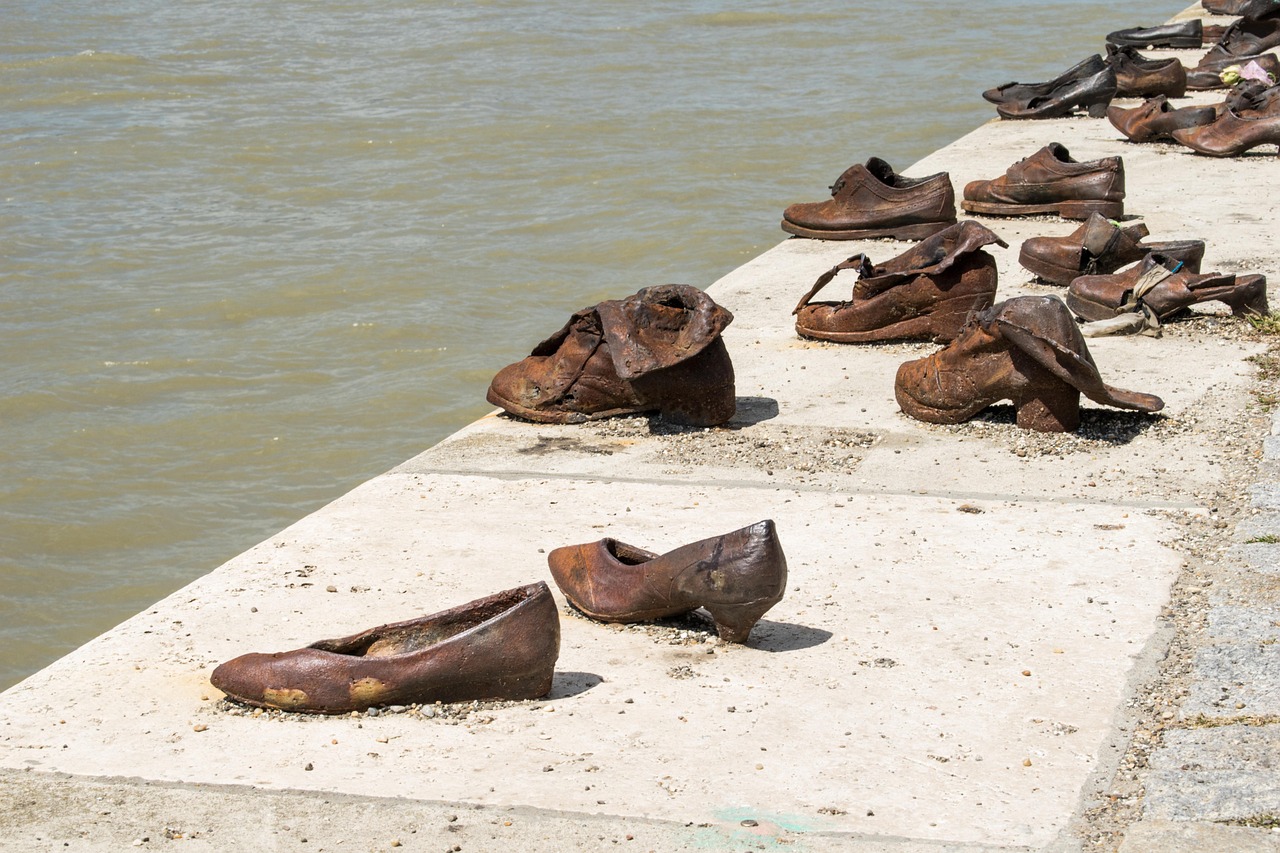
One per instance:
(769,636)
(1110,426)
(750,411)
(568,684)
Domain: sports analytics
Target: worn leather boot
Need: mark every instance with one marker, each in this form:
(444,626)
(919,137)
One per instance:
(1140,77)
(1156,119)
(503,646)
(923,294)
(1026,91)
(1252,9)
(1049,181)
(1166,286)
(870,201)
(1027,350)
(1091,94)
(657,351)
(1099,246)
(737,577)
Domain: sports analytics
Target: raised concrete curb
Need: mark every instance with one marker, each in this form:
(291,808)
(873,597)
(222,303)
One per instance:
(975,620)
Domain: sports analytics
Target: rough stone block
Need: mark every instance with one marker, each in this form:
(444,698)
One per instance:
(1235,679)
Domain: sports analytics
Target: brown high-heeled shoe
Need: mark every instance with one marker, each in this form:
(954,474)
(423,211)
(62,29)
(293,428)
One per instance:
(503,646)
(1028,350)
(737,577)
(1166,286)
(923,294)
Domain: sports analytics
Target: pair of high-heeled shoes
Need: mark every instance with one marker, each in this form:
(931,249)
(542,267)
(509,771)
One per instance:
(505,646)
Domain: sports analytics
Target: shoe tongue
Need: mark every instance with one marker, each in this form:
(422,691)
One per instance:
(1157,268)
(1059,152)
(1099,233)
(881,171)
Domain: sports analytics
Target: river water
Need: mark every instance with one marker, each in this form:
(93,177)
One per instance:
(253,254)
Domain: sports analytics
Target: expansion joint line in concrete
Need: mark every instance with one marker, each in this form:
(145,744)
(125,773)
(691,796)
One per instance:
(512,475)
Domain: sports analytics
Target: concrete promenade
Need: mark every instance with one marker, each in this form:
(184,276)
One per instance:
(992,640)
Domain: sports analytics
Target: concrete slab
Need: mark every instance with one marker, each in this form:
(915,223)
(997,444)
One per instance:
(1173,837)
(970,607)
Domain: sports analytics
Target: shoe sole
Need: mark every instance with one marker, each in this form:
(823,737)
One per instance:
(1046,272)
(559,417)
(1093,311)
(1079,210)
(902,232)
(941,325)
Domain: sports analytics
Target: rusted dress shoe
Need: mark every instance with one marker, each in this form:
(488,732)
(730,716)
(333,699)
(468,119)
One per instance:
(503,646)
(1091,94)
(1140,77)
(1208,73)
(1156,119)
(1027,350)
(1247,37)
(1049,181)
(1166,286)
(1026,91)
(874,201)
(1099,246)
(657,351)
(737,577)
(1253,9)
(1180,34)
(923,294)
(1251,117)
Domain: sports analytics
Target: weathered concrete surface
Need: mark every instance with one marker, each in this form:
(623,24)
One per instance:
(970,612)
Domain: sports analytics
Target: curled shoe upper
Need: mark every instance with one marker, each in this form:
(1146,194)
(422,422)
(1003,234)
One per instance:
(930,256)
(625,356)
(1043,328)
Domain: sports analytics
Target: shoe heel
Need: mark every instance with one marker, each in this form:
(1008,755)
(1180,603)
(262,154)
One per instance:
(1249,300)
(1054,409)
(735,621)
(698,392)
(1099,110)
(1084,209)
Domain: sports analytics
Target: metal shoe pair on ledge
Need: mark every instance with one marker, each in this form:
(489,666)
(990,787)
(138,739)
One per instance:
(872,201)
(1091,85)
(505,646)
(1247,118)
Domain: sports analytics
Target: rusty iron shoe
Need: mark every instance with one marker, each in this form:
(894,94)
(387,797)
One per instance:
(737,577)
(1250,117)
(926,293)
(1091,94)
(1247,37)
(657,351)
(1138,76)
(1049,181)
(1254,9)
(870,201)
(1027,350)
(1026,91)
(503,646)
(1099,246)
(1166,286)
(1156,119)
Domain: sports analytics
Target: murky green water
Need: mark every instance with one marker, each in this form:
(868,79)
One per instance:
(254,254)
